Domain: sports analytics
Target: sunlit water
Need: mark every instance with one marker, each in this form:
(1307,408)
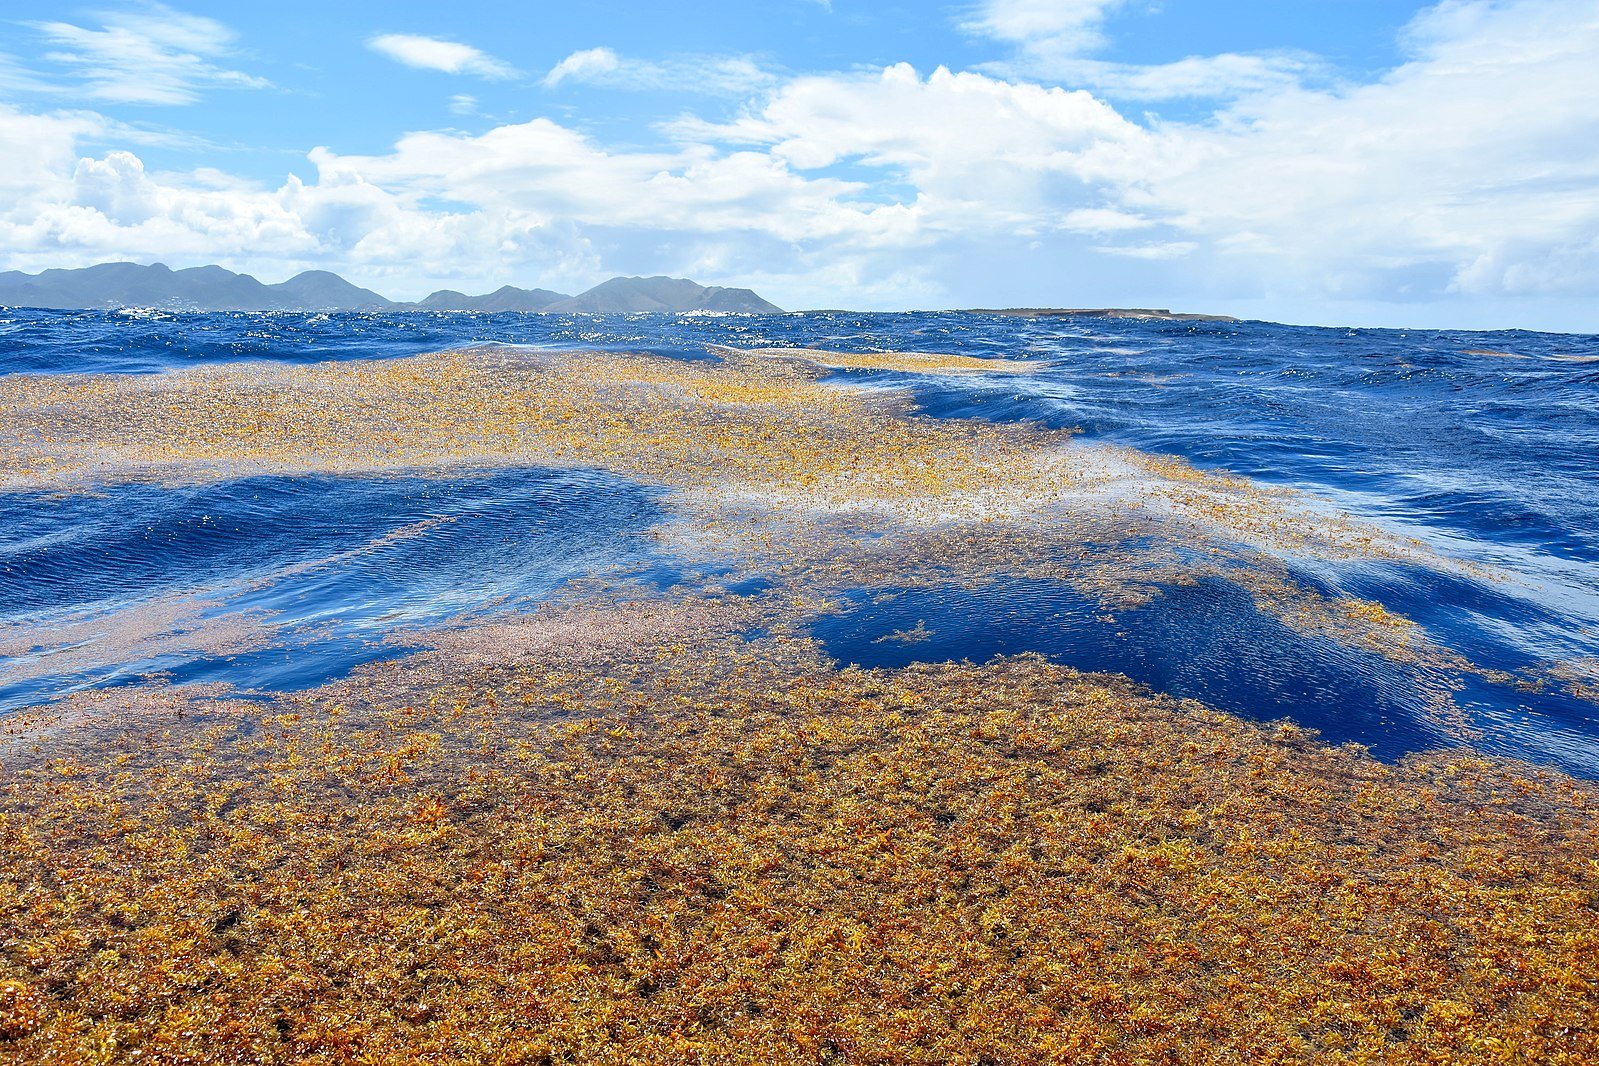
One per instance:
(1483,445)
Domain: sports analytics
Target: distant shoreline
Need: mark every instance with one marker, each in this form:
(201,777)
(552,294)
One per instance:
(417,308)
(1155,314)
(124,286)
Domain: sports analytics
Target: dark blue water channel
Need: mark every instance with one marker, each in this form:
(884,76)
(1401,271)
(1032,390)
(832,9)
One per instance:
(1208,642)
(1483,445)
(330,565)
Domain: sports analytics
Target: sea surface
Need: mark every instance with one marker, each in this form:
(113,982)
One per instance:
(1482,445)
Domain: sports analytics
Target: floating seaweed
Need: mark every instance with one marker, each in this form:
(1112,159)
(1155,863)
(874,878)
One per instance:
(671,829)
(626,833)
(767,463)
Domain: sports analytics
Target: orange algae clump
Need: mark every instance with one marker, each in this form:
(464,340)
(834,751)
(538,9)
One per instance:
(760,424)
(617,832)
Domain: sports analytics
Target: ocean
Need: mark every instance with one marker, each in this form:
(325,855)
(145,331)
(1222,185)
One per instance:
(1477,451)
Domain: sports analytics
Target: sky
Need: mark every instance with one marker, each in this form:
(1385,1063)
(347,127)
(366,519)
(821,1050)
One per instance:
(1362,162)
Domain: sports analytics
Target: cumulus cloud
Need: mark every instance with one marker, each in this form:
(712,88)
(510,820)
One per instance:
(38,150)
(527,199)
(149,55)
(1462,170)
(433,53)
(549,171)
(729,75)
(71,210)
(980,154)
(1468,169)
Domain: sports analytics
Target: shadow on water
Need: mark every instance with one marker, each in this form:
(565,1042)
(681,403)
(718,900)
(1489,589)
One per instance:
(320,569)
(1206,642)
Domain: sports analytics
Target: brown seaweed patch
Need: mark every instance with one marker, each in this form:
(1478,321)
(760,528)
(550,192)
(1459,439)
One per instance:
(1579,676)
(760,434)
(684,846)
(82,721)
(757,425)
(917,634)
(564,628)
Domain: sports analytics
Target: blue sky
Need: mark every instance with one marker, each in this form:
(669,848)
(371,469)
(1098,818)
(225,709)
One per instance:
(1360,162)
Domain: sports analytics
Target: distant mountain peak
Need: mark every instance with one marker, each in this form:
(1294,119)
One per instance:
(323,290)
(660,293)
(215,288)
(505,298)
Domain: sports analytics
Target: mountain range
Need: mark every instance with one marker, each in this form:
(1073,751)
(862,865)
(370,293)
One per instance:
(212,288)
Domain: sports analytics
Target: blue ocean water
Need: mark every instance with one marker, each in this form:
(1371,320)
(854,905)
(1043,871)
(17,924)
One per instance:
(1483,445)
(318,569)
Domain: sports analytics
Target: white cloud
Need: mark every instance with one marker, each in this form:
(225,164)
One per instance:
(1102,220)
(1468,170)
(38,150)
(151,55)
(67,210)
(546,170)
(1464,170)
(585,65)
(524,201)
(1158,250)
(433,53)
(1043,27)
(976,154)
(1224,76)
(728,75)
(1054,39)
